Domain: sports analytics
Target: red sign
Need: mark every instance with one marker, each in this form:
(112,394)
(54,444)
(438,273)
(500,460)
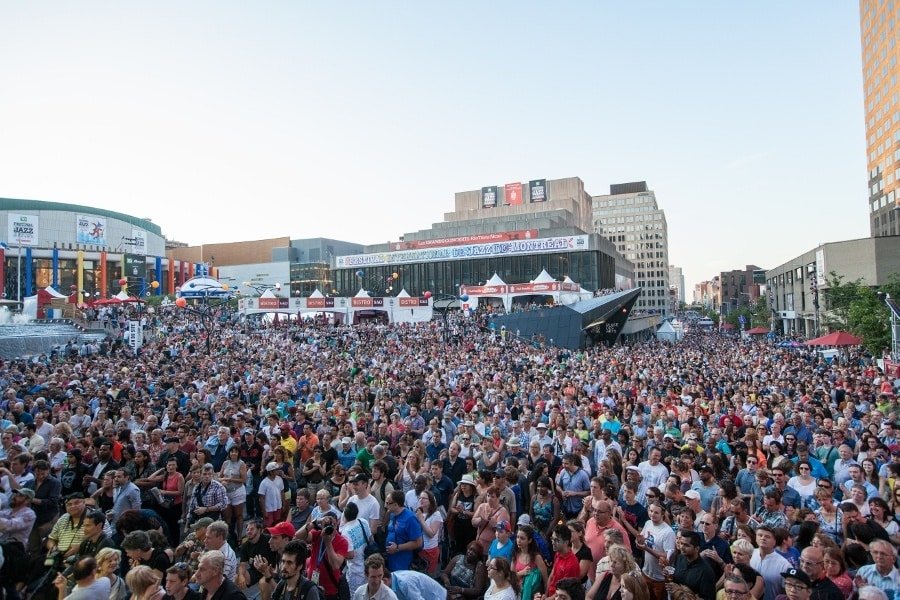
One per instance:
(512,193)
(320,303)
(483,238)
(274,302)
(367,302)
(413,301)
(483,290)
(891,369)
(534,288)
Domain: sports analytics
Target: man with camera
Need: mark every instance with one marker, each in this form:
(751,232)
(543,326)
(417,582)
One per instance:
(87,585)
(328,550)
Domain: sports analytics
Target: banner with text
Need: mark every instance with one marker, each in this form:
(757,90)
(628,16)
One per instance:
(138,241)
(90,230)
(537,190)
(512,193)
(489,196)
(511,248)
(23,230)
(480,238)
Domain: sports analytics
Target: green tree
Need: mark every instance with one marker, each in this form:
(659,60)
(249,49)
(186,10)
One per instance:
(835,301)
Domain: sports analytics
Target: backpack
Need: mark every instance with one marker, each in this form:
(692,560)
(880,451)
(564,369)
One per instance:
(305,587)
(543,548)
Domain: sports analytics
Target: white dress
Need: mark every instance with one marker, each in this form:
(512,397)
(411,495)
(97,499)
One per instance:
(504,594)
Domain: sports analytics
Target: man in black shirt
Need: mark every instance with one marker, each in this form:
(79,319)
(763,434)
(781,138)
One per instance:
(173,445)
(691,569)
(94,538)
(256,544)
(211,577)
(140,551)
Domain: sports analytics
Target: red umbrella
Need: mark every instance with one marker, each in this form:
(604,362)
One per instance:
(758,331)
(837,338)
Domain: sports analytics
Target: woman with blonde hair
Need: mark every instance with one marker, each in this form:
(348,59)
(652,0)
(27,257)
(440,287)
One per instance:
(609,585)
(108,560)
(144,583)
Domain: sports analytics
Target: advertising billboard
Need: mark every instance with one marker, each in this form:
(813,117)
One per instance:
(512,193)
(90,230)
(537,190)
(23,229)
(489,196)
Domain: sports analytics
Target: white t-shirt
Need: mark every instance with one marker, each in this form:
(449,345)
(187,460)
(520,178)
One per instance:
(272,490)
(771,567)
(659,537)
(653,476)
(369,509)
(430,542)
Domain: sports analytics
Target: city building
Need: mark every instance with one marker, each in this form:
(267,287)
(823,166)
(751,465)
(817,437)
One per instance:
(514,231)
(795,285)
(300,266)
(676,282)
(738,288)
(631,219)
(83,249)
(879,31)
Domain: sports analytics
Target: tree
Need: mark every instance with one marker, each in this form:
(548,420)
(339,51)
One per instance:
(838,297)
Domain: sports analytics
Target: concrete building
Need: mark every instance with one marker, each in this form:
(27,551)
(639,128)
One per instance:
(631,219)
(676,281)
(879,29)
(738,288)
(300,266)
(872,260)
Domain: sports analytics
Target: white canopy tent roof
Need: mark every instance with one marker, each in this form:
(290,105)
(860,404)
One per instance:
(667,333)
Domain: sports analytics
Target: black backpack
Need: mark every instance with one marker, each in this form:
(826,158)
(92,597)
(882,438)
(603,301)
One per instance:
(305,587)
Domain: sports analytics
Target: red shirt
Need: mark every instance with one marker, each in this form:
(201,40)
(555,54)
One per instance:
(563,566)
(341,547)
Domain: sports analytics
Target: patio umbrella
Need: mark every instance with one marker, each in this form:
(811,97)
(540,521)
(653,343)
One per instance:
(758,331)
(837,338)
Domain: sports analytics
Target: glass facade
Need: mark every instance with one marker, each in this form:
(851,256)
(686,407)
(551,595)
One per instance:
(308,277)
(591,269)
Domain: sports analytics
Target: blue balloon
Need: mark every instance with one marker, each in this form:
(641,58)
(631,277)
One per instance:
(360,273)
(464,297)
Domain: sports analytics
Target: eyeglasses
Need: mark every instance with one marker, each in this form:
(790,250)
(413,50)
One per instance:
(735,593)
(803,561)
(804,468)
(651,496)
(707,523)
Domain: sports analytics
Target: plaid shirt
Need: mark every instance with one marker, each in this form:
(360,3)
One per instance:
(214,497)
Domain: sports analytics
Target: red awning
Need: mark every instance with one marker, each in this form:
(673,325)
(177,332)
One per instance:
(837,338)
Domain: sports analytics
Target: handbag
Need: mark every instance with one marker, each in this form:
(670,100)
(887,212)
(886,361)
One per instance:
(371,545)
(343,588)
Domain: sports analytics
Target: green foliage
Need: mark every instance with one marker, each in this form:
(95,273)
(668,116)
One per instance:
(756,315)
(857,308)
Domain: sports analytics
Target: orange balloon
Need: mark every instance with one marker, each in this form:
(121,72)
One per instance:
(180,302)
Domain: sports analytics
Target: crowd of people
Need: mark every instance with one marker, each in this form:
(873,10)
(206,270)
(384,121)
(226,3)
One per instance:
(312,460)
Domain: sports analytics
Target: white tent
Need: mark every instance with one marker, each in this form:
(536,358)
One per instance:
(316,294)
(495,280)
(573,297)
(667,333)
(544,277)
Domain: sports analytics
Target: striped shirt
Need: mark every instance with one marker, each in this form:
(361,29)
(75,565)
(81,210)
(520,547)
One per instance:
(67,532)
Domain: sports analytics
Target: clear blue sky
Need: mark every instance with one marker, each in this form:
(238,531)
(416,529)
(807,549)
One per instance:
(226,121)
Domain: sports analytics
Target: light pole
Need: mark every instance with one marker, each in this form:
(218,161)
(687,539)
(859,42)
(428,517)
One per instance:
(448,299)
(206,311)
(814,292)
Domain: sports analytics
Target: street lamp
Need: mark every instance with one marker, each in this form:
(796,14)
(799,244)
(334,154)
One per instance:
(449,299)
(206,311)
(814,292)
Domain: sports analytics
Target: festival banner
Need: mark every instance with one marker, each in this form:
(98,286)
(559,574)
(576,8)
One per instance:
(23,229)
(410,302)
(489,196)
(320,303)
(537,190)
(512,194)
(135,268)
(274,302)
(366,302)
(90,230)
(571,243)
(139,241)
(480,238)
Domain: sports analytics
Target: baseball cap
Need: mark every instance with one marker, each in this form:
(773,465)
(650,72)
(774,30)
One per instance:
(503,526)
(172,440)
(272,466)
(798,575)
(201,523)
(28,493)
(284,528)
(692,494)
(524,519)
(346,440)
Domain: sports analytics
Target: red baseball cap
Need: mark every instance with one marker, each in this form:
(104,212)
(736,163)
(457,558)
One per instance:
(284,528)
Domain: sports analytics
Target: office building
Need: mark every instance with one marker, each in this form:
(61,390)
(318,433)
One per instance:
(631,219)
(879,31)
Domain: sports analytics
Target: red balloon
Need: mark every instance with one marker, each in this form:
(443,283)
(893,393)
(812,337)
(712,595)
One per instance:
(427,294)
(123,281)
(180,302)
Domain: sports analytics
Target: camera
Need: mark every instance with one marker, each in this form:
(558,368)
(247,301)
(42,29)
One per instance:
(329,529)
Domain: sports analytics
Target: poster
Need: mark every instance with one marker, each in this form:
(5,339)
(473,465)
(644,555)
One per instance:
(537,189)
(489,196)
(23,230)
(139,241)
(512,193)
(135,335)
(135,268)
(90,230)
